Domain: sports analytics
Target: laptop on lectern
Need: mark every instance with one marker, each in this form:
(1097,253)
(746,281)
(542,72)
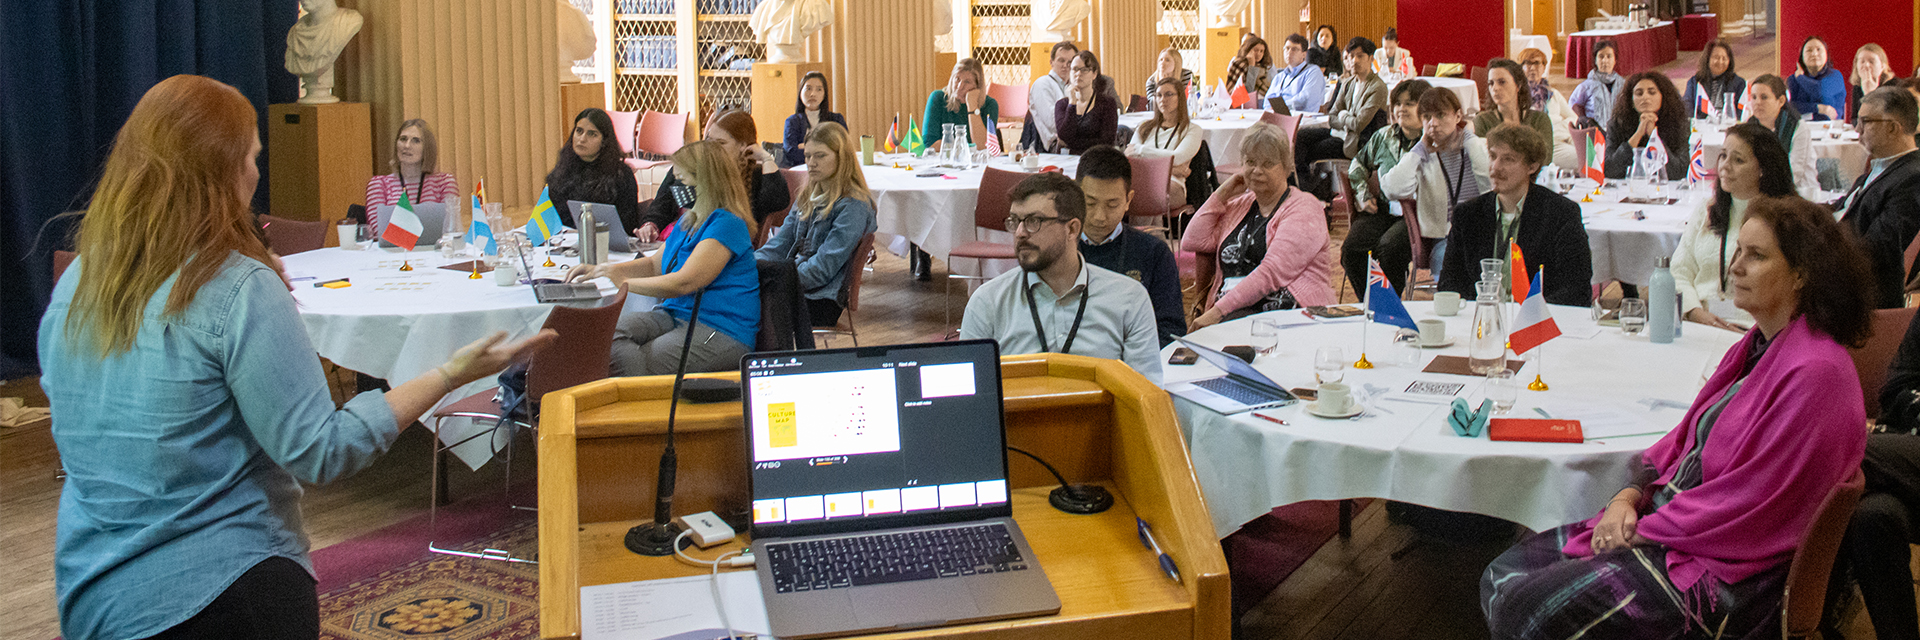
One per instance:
(879,482)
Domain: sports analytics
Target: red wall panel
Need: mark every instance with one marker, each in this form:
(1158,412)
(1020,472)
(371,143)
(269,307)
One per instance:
(1464,31)
(1845,25)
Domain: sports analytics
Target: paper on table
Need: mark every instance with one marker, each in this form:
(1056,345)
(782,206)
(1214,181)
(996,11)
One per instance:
(677,608)
(1606,421)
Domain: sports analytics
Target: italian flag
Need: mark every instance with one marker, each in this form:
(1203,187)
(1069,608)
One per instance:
(404,229)
(1596,154)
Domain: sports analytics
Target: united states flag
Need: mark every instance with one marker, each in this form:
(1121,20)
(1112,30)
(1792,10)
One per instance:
(992,146)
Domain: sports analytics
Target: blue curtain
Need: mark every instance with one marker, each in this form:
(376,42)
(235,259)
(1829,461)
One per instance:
(72,71)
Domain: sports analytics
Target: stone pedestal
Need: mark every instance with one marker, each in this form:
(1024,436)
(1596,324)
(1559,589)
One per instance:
(1218,46)
(776,86)
(320,157)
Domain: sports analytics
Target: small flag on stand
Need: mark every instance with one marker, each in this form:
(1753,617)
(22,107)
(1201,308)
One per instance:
(1596,155)
(893,135)
(1382,301)
(915,142)
(1534,325)
(1742,105)
(1705,106)
(1697,164)
(544,223)
(992,144)
(404,229)
(1517,267)
(1657,153)
(1239,96)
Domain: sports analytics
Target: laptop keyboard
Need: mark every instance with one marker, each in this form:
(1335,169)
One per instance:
(893,557)
(1235,391)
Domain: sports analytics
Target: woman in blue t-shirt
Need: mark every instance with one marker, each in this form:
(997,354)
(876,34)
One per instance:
(707,261)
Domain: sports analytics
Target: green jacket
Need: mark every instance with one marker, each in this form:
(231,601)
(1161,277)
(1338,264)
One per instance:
(1381,152)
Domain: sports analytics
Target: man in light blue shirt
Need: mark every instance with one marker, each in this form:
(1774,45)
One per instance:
(1303,85)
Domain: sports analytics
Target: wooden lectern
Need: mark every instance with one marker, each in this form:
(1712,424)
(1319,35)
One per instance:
(776,86)
(320,157)
(1095,420)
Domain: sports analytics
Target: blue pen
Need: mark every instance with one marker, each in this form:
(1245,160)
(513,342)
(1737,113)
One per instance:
(1166,561)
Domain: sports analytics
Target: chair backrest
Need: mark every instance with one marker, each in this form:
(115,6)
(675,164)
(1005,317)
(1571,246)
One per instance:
(1289,124)
(62,260)
(1871,360)
(661,133)
(855,272)
(796,180)
(1580,145)
(1410,212)
(1012,99)
(1138,103)
(289,237)
(1428,70)
(991,209)
(1480,81)
(626,124)
(1806,597)
(581,352)
(1151,177)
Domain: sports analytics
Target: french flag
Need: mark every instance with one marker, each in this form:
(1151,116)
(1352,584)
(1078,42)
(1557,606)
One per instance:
(1534,324)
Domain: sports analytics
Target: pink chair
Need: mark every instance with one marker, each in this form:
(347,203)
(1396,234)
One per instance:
(289,237)
(1872,359)
(1805,600)
(660,134)
(624,125)
(855,273)
(1150,179)
(1012,99)
(1420,245)
(990,211)
(796,180)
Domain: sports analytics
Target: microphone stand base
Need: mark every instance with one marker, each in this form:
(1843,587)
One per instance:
(1082,499)
(653,539)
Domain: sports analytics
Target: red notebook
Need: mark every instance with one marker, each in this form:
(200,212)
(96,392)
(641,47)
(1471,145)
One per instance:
(1534,430)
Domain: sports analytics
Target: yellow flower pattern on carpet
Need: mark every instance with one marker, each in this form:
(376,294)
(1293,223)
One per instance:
(430,615)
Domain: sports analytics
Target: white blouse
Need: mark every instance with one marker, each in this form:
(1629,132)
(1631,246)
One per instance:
(1164,142)
(1701,258)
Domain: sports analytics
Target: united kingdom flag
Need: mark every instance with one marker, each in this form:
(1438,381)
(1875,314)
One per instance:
(1697,167)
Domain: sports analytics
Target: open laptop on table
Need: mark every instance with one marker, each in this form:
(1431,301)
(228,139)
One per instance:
(554,291)
(432,216)
(880,501)
(609,221)
(1242,388)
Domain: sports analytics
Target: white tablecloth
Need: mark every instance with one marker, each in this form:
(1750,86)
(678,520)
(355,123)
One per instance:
(1625,248)
(937,212)
(1517,43)
(1845,148)
(397,325)
(1223,132)
(1248,466)
(1464,88)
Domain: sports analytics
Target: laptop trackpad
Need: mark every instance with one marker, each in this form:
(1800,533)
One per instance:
(921,603)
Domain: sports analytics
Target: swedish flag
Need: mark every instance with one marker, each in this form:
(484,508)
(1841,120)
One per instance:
(544,223)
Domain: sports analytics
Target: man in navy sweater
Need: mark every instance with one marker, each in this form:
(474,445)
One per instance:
(1106,177)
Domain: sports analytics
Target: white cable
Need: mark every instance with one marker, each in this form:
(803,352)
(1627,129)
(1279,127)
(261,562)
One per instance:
(719,603)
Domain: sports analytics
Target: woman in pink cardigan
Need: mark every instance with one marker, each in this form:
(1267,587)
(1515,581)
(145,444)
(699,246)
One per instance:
(1261,244)
(1698,543)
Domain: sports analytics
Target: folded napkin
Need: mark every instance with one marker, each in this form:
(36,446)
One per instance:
(15,413)
(1466,422)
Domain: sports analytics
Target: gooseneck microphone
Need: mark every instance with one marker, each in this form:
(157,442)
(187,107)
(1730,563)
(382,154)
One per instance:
(656,538)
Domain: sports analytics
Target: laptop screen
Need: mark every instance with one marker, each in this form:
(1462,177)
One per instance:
(875,437)
(1230,364)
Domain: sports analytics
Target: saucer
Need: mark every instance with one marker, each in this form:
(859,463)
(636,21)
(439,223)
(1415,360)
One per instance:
(1437,345)
(1314,408)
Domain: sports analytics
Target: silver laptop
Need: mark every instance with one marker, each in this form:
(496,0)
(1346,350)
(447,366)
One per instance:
(880,498)
(549,291)
(609,221)
(1242,388)
(432,216)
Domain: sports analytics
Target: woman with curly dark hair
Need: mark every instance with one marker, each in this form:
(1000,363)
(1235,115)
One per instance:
(1698,541)
(1650,105)
(591,168)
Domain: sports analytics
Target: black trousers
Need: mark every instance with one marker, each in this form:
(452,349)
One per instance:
(1385,235)
(825,313)
(1313,144)
(273,600)
(1875,550)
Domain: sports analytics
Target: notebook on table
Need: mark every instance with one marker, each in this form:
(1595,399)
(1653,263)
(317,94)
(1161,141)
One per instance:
(879,482)
(1241,388)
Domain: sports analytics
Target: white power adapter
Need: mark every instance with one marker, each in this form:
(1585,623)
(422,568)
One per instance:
(705,529)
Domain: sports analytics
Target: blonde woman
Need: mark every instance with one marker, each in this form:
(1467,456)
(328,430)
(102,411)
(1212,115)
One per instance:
(187,403)
(710,251)
(1260,244)
(415,164)
(1870,71)
(1171,66)
(1169,134)
(828,219)
(964,102)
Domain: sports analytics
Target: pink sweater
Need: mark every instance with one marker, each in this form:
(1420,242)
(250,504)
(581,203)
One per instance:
(1296,249)
(1777,449)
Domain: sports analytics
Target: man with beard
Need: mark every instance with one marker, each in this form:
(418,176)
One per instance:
(1056,301)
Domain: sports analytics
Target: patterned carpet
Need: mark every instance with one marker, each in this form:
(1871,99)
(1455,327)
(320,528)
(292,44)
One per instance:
(386,585)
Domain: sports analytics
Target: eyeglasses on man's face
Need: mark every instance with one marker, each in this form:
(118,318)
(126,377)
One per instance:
(1030,223)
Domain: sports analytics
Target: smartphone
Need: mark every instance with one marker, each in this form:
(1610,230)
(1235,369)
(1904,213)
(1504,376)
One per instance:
(1183,355)
(1304,393)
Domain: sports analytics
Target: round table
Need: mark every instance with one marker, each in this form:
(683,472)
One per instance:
(1625,390)
(1223,132)
(936,211)
(1830,140)
(1468,92)
(1637,49)
(1626,239)
(397,325)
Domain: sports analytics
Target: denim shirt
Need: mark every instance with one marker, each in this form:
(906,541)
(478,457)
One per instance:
(821,246)
(184,454)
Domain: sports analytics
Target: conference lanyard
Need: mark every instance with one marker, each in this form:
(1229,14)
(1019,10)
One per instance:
(1026,285)
(1723,261)
(1454,188)
(403,185)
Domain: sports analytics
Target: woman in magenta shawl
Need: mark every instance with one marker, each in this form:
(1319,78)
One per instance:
(1697,544)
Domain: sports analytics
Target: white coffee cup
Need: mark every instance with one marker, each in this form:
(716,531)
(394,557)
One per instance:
(1446,303)
(348,239)
(1335,398)
(1030,162)
(1432,331)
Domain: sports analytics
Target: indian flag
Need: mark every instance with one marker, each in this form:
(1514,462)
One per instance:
(1596,154)
(404,229)
(544,223)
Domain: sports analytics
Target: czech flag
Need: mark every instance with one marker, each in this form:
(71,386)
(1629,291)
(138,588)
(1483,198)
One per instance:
(1596,155)
(544,223)
(404,229)
(1534,325)
(1705,107)
(1382,301)
(1517,267)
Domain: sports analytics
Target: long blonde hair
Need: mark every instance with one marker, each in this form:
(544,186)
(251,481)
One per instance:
(711,171)
(955,99)
(847,181)
(168,201)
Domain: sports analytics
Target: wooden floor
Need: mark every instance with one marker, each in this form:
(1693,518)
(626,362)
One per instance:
(1388,581)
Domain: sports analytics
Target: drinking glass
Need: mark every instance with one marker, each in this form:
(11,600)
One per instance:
(364,236)
(1266,335)
(1503,389)
(1633,315)
(1406,348)
(1329,365)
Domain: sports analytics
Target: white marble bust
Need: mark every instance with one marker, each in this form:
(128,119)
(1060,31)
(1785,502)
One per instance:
(784,25)
(314,42)
(577,40)
(1054,20)
(1226,13)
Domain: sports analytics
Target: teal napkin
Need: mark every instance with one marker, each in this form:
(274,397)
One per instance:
(1469,423)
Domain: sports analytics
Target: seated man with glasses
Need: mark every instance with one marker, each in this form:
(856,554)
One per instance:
(1056,301)
(1883,207)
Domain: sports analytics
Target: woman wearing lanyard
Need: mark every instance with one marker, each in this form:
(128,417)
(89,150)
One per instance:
(416,154)
(1752,164)
(1261,245)
(1768,104)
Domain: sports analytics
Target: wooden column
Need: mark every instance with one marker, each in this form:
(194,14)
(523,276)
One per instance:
(576,97)
(775,86)
(320,156)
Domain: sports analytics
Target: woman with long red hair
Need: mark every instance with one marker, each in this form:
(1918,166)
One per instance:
(188,404)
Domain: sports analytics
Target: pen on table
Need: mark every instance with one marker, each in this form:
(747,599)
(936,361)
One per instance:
(1543,413)
(1166,561)
(1269,418)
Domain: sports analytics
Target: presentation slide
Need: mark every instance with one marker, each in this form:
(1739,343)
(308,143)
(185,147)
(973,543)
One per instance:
(946,380)
(824,415)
